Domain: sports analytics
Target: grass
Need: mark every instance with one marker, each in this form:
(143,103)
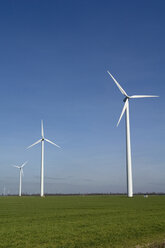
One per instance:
(81,221)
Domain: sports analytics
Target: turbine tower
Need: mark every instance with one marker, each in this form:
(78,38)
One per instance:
(20,176)
(42,156)
(128,141)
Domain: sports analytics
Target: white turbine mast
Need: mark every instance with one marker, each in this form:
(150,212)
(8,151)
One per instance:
(128,141)
(42,156)
(20,176)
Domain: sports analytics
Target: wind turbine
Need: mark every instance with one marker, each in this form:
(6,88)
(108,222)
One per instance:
(20,176)
(42,156)
(128,141)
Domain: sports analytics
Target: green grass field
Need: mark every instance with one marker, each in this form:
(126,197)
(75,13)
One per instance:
(81,221)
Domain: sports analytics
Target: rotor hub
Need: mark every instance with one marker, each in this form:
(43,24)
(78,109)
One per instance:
(124,100)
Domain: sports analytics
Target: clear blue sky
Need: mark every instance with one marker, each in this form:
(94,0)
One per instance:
(53,61)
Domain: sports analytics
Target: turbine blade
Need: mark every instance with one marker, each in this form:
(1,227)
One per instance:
(24,164)
(42,129)
(118,85)
(124,108)
(34,144)
(22,172)
(52,143)
(142,96)
(16,166)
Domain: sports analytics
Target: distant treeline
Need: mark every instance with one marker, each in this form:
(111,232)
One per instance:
(86,194)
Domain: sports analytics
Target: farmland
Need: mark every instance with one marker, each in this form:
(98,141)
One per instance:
(81,221)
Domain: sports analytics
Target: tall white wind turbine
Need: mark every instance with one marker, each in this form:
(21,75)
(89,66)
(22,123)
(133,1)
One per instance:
(20,176)
(128,142)
(42,156)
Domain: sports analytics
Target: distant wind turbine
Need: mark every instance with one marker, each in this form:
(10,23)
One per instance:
(20,176)
(42,156)
(128,142)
